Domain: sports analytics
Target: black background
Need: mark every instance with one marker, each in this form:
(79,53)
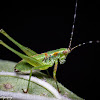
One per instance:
(45,27)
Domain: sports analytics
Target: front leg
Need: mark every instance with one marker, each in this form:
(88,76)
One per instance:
(54,73)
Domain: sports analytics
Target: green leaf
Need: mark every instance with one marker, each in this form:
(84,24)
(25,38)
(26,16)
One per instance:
(12,84)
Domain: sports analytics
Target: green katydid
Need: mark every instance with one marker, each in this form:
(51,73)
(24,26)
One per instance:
(33,61)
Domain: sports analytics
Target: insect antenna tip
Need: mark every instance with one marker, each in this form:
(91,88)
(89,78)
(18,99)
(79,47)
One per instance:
(98,41)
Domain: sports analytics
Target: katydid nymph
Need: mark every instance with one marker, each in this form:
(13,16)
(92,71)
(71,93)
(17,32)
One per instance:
(33,61)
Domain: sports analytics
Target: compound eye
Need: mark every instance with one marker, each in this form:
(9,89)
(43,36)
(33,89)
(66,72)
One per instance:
(65,52)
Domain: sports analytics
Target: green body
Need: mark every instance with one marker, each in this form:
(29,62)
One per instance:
(33,61)
(47,59)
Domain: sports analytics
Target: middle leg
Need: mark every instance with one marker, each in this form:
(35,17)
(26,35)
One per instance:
(54,74)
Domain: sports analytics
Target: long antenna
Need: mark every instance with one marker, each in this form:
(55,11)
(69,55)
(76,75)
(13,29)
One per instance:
(89,42)
(73,25)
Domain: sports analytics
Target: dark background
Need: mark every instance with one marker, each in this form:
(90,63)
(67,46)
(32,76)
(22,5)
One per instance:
(45,27)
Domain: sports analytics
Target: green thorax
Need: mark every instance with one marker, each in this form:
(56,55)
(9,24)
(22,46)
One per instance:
(53,55)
